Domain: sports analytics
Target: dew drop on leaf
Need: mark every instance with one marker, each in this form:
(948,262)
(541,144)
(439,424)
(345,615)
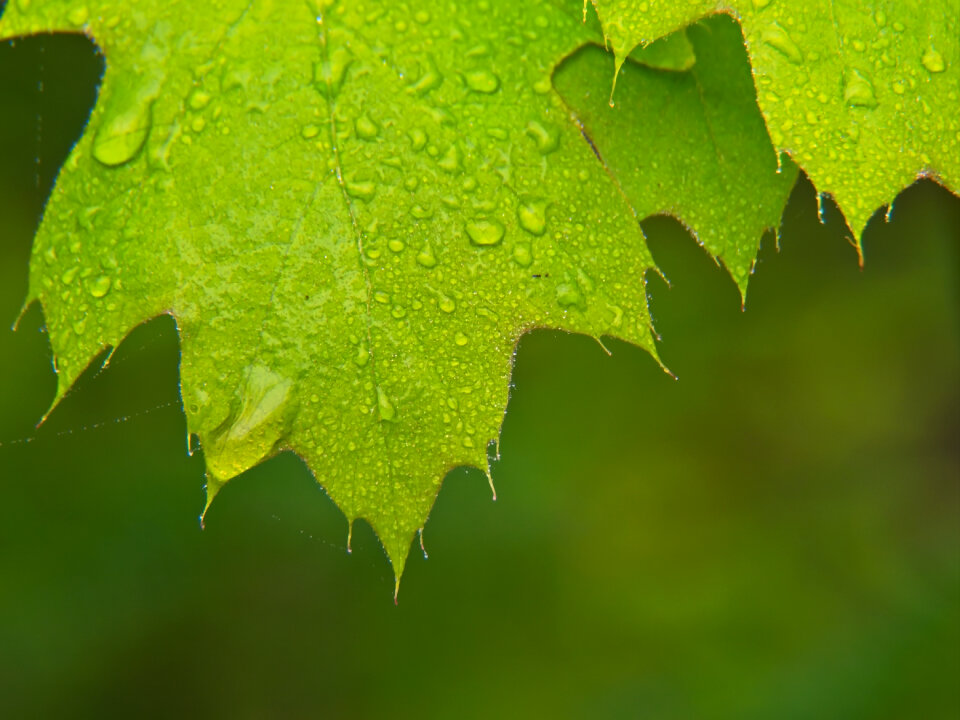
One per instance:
(447,304)
(859,91)
(367,129)
(522,255)
(198,100)
(101,286)
(532,214)
(361,190)
(933,61)
(485,232)
(482,81)
(69,275)
(568,295)
(546,137)
(122,134)
(426,258)
(779,39)
(388,412)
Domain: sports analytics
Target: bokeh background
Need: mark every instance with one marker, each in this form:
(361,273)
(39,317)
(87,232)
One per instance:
(775,534)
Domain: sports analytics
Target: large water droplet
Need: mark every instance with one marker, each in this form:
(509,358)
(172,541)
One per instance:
(569,295)
(198,99)
(522,254)
(418,139)
(123,133)
(447,304)
(387,411)
(69,275)
(933,61)
(367,129)
(328,76)
(532,214)
(430,77)
(426,257)
(546,137)
(361,190)
(482,81)
(485,232)
(451,161)
(101,286)
(859,91)
(779,39)
(361,357)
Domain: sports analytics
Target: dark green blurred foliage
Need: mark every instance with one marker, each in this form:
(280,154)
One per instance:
(775,534)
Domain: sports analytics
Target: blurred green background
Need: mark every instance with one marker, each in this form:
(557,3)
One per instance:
(776,534)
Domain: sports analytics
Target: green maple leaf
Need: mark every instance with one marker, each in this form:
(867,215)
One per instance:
(352,211)
(718,173)
(862,96)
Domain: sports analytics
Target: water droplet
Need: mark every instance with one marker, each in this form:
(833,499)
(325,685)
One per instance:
(69,275)
(328,76)
(451,161)
(50,255)
(367,129)
(859,91)
(101,286)
(361,357)
(422,17)
(430,77)
(522,255)
(460,339)
(80,326)
(418,139)
(543,85)
(198,99)
(933,61)
(381,297)
(485,232)
(198,124)
(532,214)
(361,190)
(309,131)
(568,295)
(760,4)
(426,257)
(447,304)
(123,133)
(779,39)
(546,137)
(398,311)
(482,81)
(395,244)
(388,412)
